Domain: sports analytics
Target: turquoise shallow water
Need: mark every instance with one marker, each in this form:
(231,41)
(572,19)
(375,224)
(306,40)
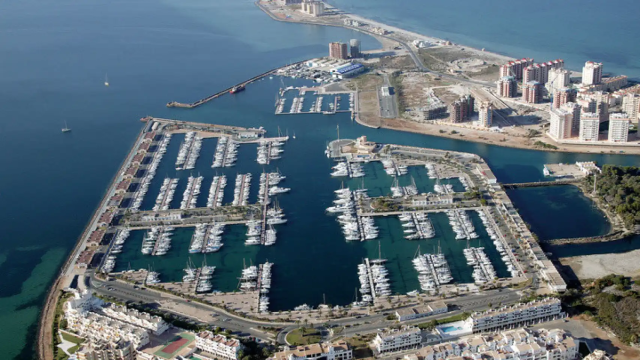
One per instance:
(56,57)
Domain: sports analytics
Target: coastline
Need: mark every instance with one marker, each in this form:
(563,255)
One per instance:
(460,133)
(44,345)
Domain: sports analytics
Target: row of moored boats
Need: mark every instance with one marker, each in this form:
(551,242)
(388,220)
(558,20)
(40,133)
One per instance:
(483,271)
(216,191)
(350,169)
(417,226)
(207,238)
(226,153)
(265,286)
(269,150)
(157,241)
(241,191)
(189,151)
(165,196)
(191,192)
(393,169)
(461,224)
(504,252)
(400,191)
(150,172)
(433,271)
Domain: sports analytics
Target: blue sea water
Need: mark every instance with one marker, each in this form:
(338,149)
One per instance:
(573,30)
(55,56)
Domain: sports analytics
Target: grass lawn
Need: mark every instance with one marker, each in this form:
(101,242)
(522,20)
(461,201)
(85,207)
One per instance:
(360,346)
(450,319)
(71,338)
(297,337)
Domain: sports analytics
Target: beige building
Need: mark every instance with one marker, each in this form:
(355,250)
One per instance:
(507,87)
(631,106)
(485,114)
(592,73)
(101,350)
(338,50)
(532,92)
(558,79)
(311,7)
(218,346)
(560,124)
(589,126)
(338,350)
(619,127)
(436,307)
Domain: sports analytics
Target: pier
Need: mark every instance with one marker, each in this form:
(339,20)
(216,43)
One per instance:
(263,228)
(371,283)
(220,93)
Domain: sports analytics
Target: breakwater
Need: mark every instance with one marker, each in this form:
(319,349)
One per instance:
(227,90)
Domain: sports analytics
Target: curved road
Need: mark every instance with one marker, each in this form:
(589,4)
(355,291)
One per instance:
(247,327)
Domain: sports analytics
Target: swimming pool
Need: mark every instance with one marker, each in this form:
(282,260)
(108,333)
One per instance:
(448,329)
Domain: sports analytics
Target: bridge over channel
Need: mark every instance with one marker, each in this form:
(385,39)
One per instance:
(542,183)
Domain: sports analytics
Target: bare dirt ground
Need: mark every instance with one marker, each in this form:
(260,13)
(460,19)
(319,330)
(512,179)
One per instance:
(597,266)
(468,63)
(368,104)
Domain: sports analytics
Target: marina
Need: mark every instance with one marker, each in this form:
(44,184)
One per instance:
(209,226)
(317,96)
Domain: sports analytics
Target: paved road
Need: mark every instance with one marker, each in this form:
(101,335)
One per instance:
(388,103)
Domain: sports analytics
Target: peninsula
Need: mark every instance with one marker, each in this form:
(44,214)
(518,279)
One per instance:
(450,90)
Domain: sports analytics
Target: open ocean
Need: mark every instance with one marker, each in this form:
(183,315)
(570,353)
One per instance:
(56,56)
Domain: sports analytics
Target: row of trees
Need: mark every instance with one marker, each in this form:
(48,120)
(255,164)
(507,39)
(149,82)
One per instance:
(619,186)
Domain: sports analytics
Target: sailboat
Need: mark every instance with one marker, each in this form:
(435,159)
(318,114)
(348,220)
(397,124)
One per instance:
(294,134)
(106,80)
(66,129)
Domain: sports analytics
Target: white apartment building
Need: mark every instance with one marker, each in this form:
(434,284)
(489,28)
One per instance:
(521,344)
(338,350)
(101,350)
(618,127)
(574,109)
(631,106)
(485,114)
(518,315)
(589,126)
(592,73)
(558,79)
(219,346)
(560,124)
(98,327)
(404,338)
(153,323)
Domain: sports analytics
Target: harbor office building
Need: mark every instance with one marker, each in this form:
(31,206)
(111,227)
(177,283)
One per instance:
(416,312)
(515,316)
